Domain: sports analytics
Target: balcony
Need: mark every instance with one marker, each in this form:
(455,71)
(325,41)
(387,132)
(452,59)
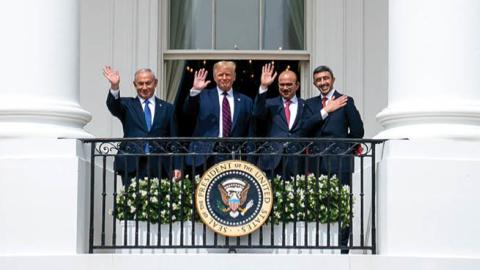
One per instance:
(323,195)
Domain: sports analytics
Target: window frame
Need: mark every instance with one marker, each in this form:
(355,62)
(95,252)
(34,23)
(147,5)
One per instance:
(303,56)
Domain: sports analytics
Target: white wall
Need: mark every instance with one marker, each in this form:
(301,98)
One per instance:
(236,262)
(351,37)
(120,33)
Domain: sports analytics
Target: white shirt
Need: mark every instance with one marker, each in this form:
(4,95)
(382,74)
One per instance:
(231,103)
(329,96)
(151,105)
(293,106)
(293,110)
(194,92)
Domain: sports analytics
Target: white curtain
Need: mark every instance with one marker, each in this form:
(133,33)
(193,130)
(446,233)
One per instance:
(181,13)
(295,9)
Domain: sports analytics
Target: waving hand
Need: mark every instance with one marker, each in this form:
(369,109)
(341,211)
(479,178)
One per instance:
(199,82)
(112,76)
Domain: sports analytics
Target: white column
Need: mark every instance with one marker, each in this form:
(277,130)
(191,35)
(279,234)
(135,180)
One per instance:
(39,69)
(428,185)
(43,179)
(434,67)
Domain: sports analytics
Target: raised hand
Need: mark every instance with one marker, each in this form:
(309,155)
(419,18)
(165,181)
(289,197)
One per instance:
(177,175)
(112,76)
(267,78)
(335,104)
(199,78)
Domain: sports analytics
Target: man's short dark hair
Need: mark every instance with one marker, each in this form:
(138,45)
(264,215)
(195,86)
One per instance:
(323,69)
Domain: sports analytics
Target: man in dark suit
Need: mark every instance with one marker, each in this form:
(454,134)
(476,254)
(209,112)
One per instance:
(219,111)
(283,117)
(142,116)
(342,123)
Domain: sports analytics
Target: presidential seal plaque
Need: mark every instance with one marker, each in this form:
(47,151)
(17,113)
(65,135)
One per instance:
(234,198)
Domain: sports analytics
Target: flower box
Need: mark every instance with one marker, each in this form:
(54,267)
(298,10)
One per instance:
(163,200)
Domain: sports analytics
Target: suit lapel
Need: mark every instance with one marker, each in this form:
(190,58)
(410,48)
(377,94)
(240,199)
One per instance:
(236,108)
(281,112)
(317,108)
(137,107)
(299,112)
(336,94)
(214,101)
(157,118)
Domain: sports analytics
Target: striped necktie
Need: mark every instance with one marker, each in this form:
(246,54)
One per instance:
(226,116)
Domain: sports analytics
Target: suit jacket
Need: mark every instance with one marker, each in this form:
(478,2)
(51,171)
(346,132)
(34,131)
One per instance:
(271,113)
(129,111)
(342,123)
(205,108)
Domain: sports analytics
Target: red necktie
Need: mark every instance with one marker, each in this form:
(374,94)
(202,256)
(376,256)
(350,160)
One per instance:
(287,111)
(226,116)
(324,102)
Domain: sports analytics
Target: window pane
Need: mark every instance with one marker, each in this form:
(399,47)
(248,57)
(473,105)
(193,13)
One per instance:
(190,24)
(237,24)
(284,25)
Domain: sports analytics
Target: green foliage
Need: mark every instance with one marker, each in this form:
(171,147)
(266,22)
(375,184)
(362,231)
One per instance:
(155,200)
(308,198)
(305,198)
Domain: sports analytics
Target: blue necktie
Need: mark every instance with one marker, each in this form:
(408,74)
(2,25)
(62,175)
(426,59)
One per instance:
(148,115)
(148,120)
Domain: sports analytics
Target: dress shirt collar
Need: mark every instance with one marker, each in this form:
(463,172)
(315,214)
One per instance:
(330,94)
(229,92)
(294,100)
(151,100)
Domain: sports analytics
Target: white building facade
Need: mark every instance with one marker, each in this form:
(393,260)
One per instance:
(414,63)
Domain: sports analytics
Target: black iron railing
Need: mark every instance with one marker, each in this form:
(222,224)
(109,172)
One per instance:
(324,193)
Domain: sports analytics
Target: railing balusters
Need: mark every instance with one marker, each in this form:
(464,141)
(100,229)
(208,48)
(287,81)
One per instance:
(374,179)
(93,146)
(104,198)
(114,224)
(362,195)
(301,200)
